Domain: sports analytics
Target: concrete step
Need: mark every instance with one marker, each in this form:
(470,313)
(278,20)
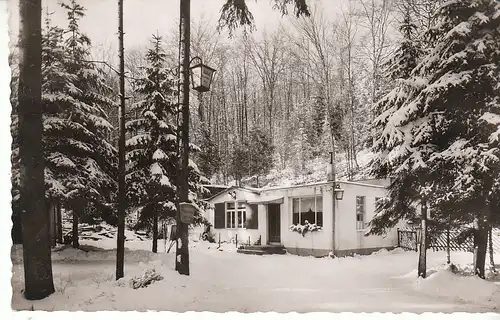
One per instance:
(254,252)
(260,250)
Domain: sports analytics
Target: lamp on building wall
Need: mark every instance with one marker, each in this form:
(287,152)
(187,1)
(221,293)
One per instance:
(339,193)
(232,194)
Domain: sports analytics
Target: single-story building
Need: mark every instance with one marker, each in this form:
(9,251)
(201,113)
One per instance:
(277,216)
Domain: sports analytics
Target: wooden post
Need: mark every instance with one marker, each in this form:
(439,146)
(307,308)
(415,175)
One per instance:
(399,242)
(182,247)
(120,242)
(333,177)
(249,240)
(416,240)
(422,258)
(219,240)
(236,241)
(448,258)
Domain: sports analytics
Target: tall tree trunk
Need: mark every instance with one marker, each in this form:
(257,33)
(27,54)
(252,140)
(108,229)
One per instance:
(52,221)
(37,262)
(17,229)
(155,232)
(422,257)
(74,240)
(480,244)
(491,252)
(59,223)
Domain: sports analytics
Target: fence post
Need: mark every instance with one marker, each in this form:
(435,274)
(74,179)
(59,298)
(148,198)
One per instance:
(236,242)
(416,241)
(260,239)
(248,240)
(219,240)
(399,242)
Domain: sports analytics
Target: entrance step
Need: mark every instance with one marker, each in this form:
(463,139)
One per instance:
(261,250)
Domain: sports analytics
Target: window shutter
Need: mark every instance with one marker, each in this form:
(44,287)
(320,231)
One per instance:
(219,218)
(252,217)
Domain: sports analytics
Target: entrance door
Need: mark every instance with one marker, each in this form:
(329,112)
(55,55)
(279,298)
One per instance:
(274,223)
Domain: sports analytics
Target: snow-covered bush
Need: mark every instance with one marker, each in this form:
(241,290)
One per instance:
(307,227)
(148,277)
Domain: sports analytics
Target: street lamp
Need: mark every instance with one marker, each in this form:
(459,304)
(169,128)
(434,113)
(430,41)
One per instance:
(201,75)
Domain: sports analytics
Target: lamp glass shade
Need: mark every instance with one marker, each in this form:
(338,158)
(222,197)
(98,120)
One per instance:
(201,77)
(339,194)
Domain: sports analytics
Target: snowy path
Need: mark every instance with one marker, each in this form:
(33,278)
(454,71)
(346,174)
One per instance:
(227,281)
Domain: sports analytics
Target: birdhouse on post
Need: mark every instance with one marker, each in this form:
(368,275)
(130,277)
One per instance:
(187,211)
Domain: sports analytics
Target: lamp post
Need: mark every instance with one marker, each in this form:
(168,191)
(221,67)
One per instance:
(337,194)
(202,78)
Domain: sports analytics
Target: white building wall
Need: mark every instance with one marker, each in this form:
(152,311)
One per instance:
(242,233)
(348,238)
(318,242)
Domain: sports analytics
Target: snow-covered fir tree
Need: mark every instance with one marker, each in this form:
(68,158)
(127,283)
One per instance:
(81,128)
(79,163)
(209,158)
(439,128)
(152,149)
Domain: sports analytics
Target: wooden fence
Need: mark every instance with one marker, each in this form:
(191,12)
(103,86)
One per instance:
(410,240)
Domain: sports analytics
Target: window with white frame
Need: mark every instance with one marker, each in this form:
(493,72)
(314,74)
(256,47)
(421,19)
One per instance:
(360,212)
(236,215)
(308,209)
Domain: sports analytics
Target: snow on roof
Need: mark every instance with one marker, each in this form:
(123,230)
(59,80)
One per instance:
(259,190)
(215,186)
(357,183)
(267,199)
(254,190)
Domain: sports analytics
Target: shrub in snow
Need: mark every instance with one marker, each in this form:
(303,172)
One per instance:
(148,277)
(303,229)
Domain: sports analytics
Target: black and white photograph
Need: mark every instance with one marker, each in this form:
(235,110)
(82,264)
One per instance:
(285,156)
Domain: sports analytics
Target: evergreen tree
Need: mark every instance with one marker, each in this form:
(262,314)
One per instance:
(79,162)
(253,157)
(439,128)
(240,164)
(208,158)
(315,124)
(260,153)
(152,148)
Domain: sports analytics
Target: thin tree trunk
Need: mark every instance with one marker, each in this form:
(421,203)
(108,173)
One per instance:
(448,256)
(155,232)
(38,279)
(59,223)
(422,257)
(480,244)
(74,240)
(491,252)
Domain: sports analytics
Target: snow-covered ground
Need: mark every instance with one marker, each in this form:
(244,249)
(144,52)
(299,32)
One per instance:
(223,280)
